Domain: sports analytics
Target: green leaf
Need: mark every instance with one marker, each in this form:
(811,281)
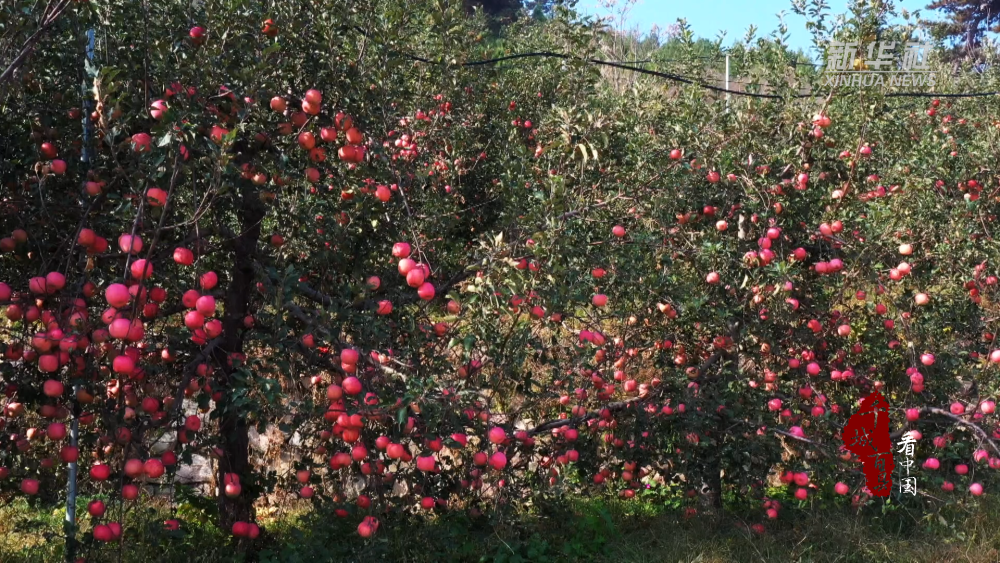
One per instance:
(273,48)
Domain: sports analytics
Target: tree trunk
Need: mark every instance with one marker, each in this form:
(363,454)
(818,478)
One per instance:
(233,427)
(712,488)
(730,365)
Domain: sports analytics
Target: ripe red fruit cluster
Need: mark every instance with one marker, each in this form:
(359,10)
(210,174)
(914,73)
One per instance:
(17,238)
(368,527)
(415,273)
(246,530)
(112,531)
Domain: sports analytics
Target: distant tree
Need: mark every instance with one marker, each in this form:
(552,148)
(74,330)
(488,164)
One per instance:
(650,42)
(499,9)
(541,9)
(677,48)
(967,21)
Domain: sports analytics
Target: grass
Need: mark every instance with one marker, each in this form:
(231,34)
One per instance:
(592,530)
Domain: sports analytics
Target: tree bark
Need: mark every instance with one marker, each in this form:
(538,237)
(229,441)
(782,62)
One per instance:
(713,484)
(233,427)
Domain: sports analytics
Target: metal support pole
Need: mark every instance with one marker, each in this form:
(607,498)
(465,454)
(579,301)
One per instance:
(87,98)
(74,428)
(727,82)
(74,433)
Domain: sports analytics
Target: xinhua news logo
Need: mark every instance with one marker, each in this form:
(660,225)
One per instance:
(885,63)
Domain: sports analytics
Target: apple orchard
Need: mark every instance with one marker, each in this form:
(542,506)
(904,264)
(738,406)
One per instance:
(470,287)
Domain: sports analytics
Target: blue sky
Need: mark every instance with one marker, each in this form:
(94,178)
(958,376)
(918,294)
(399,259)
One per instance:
(708,17)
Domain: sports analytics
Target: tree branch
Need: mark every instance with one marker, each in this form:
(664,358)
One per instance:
(958,420)
(325,300)
(820,447)
(49,17)
(613,407)
(189,370)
